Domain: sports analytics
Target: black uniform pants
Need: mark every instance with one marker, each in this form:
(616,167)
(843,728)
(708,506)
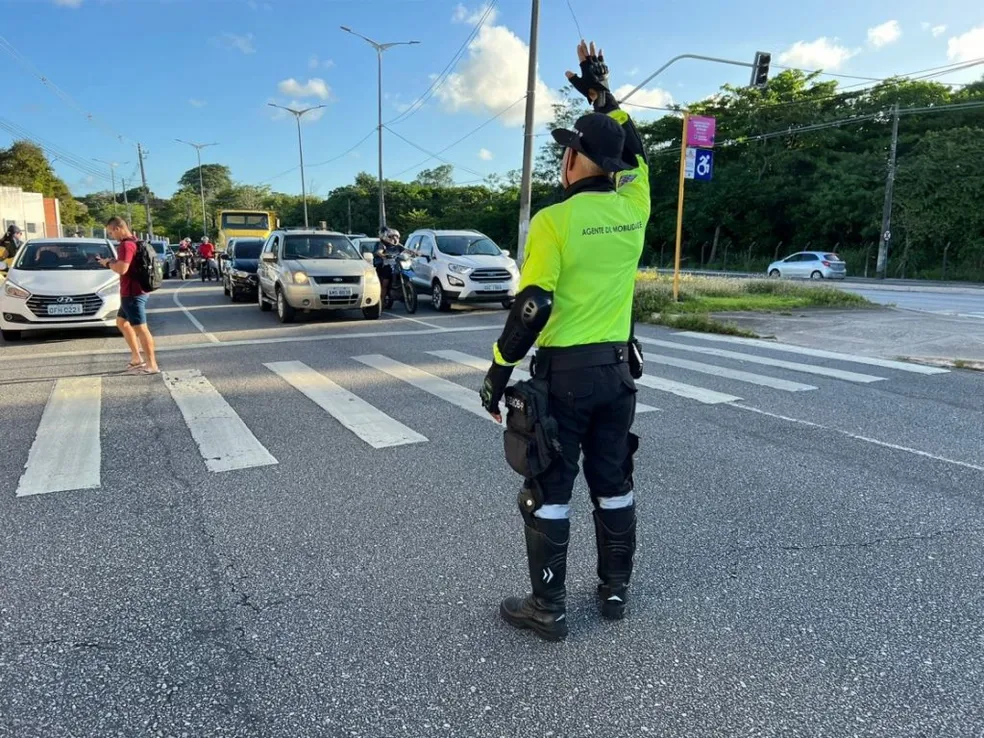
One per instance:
(594,408)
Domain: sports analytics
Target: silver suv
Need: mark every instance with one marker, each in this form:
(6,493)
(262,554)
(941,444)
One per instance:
(315,270)
(462,266)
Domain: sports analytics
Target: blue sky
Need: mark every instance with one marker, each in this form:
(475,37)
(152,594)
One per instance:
(204,70)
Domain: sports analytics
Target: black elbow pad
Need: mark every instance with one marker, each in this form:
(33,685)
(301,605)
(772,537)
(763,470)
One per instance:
(528,316)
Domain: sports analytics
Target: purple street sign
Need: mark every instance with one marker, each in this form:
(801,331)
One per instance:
(700,131)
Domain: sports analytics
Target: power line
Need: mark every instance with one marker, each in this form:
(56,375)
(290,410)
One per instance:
(71,160)
(432,154)
(11,51)
(445,73)
(574,16)
(467,135)
(321,163)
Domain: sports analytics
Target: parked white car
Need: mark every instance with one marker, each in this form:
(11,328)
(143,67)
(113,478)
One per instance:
(462,266)
(57,284)
(809,265)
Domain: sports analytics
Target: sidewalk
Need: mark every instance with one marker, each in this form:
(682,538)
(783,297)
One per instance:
(886,333)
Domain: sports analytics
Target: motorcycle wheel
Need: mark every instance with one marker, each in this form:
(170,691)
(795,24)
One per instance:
(409,297)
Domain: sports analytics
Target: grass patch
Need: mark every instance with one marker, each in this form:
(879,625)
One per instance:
(702,295)
(699,322)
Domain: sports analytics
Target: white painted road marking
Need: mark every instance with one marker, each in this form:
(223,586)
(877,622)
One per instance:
(192,318)
(222,437)
(441,388)
(520,375)
(706,396)
(720,371)
(767,361)
(865,439)
(901,366)
(66,451)
(373,426)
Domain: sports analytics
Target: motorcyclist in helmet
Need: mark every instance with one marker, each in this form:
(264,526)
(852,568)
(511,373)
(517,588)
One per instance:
(11,241)
(388,248)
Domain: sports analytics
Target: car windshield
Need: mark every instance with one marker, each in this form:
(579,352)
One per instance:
(159,248)
(320,247)
(246,221)
(467,246)
(831,257)
(249,249)
(51,256)
(368,245)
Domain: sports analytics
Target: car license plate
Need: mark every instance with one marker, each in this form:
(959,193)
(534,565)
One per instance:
(339,291)
(493,288)
(64,309)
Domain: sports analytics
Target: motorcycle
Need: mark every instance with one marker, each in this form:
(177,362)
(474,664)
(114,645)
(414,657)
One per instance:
(185,264)
(401,286)
(210,269)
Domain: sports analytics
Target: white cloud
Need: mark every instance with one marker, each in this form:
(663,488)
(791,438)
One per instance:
(314,62)
(887,33)
(68,3)
(485,155)
(278,114)
(464,15)
(228,40)
(314,87)
(197,103)
(925,25)
(824,53)
(653,97)
(967,46)
(938,31)
(494,77)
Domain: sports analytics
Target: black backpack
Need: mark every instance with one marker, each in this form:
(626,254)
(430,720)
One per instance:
(146,269)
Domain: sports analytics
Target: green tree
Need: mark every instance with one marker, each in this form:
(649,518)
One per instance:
(442,176)
(215,177)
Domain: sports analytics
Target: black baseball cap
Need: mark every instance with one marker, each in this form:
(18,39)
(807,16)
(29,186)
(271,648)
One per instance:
(599,137)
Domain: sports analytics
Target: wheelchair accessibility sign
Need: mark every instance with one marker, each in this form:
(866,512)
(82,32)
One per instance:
(699,164)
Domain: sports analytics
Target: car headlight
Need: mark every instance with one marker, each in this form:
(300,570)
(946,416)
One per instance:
(459,269)
(13,290)
(372,278)
(113,288)
(239,273)
(301,278)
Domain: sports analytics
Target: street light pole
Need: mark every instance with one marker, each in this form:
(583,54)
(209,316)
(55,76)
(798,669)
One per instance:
(300,148)
(526,185)
(380,48)
(112,173)
(201,184)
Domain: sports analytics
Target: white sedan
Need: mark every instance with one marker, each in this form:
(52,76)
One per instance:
(57,284)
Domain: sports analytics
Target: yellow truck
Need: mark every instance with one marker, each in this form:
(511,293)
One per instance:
(244,224)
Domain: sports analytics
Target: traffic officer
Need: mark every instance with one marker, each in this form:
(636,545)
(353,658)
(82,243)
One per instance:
(575,303)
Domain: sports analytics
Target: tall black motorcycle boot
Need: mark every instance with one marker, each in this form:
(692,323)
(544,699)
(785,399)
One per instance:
(615,534)
(545,610)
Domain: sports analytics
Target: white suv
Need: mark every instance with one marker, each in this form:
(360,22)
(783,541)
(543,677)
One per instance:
(462,266)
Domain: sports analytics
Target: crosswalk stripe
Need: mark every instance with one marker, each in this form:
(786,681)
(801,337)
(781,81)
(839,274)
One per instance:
(441,388)
(901,366)
(373,426)
(720,371)
(222,437)
(689,391)
(765,360)
(66,452)
(520,375)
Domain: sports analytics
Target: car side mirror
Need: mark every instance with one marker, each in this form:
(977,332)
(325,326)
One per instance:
(268,256)
(367,256)
(3,265)
(505,252)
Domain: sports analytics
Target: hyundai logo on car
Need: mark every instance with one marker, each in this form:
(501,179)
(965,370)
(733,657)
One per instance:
(66,298)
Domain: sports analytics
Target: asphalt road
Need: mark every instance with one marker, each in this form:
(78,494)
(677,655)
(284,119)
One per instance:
(810,557)
(965,303)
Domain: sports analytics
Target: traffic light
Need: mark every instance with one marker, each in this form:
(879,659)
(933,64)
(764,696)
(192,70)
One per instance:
(760,70)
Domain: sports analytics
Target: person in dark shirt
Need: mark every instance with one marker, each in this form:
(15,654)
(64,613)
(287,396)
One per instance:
(132,317)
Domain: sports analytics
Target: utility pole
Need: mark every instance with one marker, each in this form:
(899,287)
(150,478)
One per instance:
(300,148)
(201,184)
(526,186)
(380,48)
(146,192)
(112,173)
(350,215)
(881,266)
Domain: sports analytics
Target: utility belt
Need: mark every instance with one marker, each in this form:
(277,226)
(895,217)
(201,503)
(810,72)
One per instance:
(573,358)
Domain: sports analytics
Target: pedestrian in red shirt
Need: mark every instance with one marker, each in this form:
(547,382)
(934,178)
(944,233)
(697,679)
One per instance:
(132,317)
